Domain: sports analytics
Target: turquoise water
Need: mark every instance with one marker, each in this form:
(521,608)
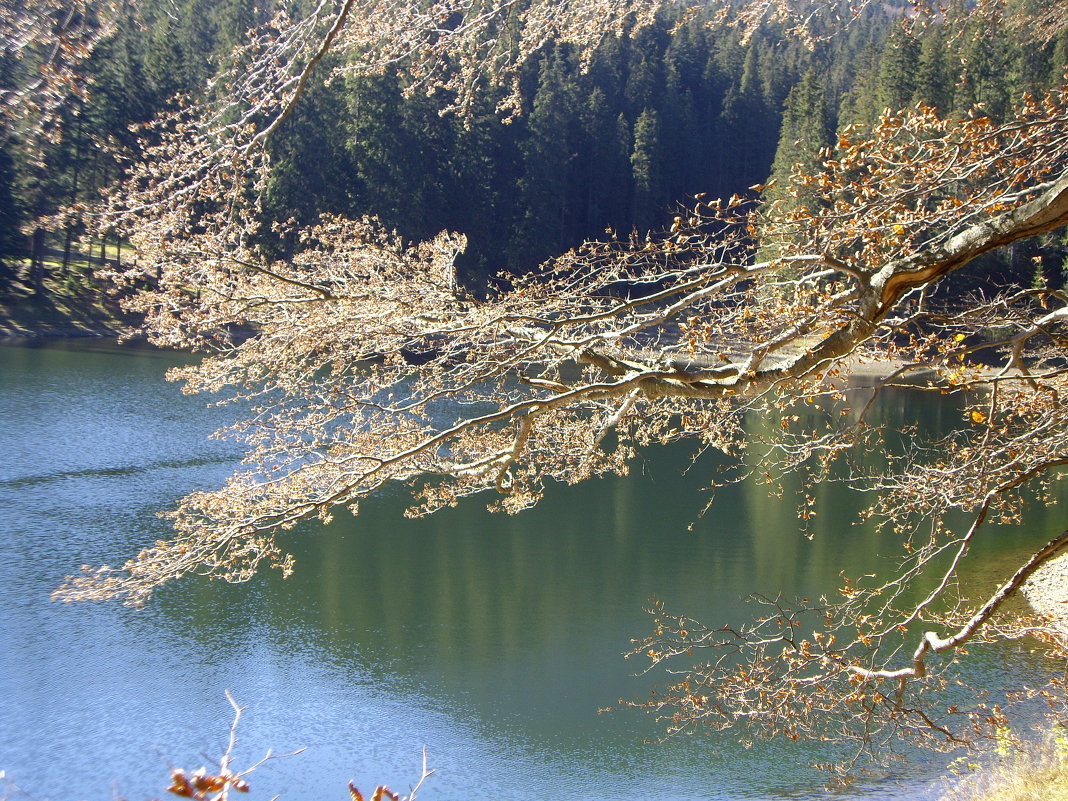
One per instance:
(490,640)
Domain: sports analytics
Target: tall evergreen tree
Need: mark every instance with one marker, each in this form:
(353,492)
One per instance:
(604,166)
(750,127)
(548,159)
(11,239)
(803,138)
(312,170)
(985,78)
(898,69)
(646,162)
(934,77)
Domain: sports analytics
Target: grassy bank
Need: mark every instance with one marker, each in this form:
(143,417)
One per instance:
(70,306)
(1020,771)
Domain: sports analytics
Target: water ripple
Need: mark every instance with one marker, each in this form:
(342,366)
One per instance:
(115,471)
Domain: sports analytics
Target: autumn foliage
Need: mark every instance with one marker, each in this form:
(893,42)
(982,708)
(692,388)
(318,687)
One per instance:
(365,362)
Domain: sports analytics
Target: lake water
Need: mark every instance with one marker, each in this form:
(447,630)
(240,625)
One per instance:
(490,640)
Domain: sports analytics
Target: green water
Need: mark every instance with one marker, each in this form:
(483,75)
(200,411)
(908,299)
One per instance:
(490,640)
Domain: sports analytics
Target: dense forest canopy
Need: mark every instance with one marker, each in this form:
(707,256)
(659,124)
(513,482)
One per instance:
(777,191)
(603,143)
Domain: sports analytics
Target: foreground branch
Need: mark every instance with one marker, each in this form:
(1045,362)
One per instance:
(931,642)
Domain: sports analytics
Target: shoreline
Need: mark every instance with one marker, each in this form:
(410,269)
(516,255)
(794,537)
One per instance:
(22,335)
(1046,592)
(64,310)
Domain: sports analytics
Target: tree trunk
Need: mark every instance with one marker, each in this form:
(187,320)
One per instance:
(37,261)
(67,240)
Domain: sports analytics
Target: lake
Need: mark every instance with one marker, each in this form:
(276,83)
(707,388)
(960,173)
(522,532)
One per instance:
(490,640)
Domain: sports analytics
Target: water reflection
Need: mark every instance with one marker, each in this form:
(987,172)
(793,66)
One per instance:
(491,640)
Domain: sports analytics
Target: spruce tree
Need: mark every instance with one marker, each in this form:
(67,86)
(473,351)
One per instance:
(898,70)
(804,135)
(646,162)
(547,158)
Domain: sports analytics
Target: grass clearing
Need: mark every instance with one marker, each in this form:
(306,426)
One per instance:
(72,305)
(1018,771)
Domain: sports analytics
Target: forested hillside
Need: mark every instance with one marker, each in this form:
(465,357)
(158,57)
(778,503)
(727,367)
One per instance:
(599,150)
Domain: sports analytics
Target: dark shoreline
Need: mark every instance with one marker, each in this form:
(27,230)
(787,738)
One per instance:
(74,332)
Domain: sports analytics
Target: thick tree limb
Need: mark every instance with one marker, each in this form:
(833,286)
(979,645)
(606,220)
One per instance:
(1045,213)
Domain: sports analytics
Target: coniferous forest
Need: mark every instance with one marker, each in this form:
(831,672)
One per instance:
(604,149)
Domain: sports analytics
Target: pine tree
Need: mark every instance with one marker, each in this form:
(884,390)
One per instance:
(985,77)
(934,78)
(645,79)
(1058,59)
(547,157)
(803,138)
(646,162)
(312,171)
(11,239)
(480,197)
(898,70)
(604,165)
(750,127)
(679,133)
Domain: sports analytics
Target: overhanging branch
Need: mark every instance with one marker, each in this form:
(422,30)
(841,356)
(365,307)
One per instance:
(933,643)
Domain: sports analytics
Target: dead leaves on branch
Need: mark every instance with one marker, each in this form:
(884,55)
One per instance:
(216,784)
(369,364)
(916,178)
(381,792)
(50,42)
(204,786)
